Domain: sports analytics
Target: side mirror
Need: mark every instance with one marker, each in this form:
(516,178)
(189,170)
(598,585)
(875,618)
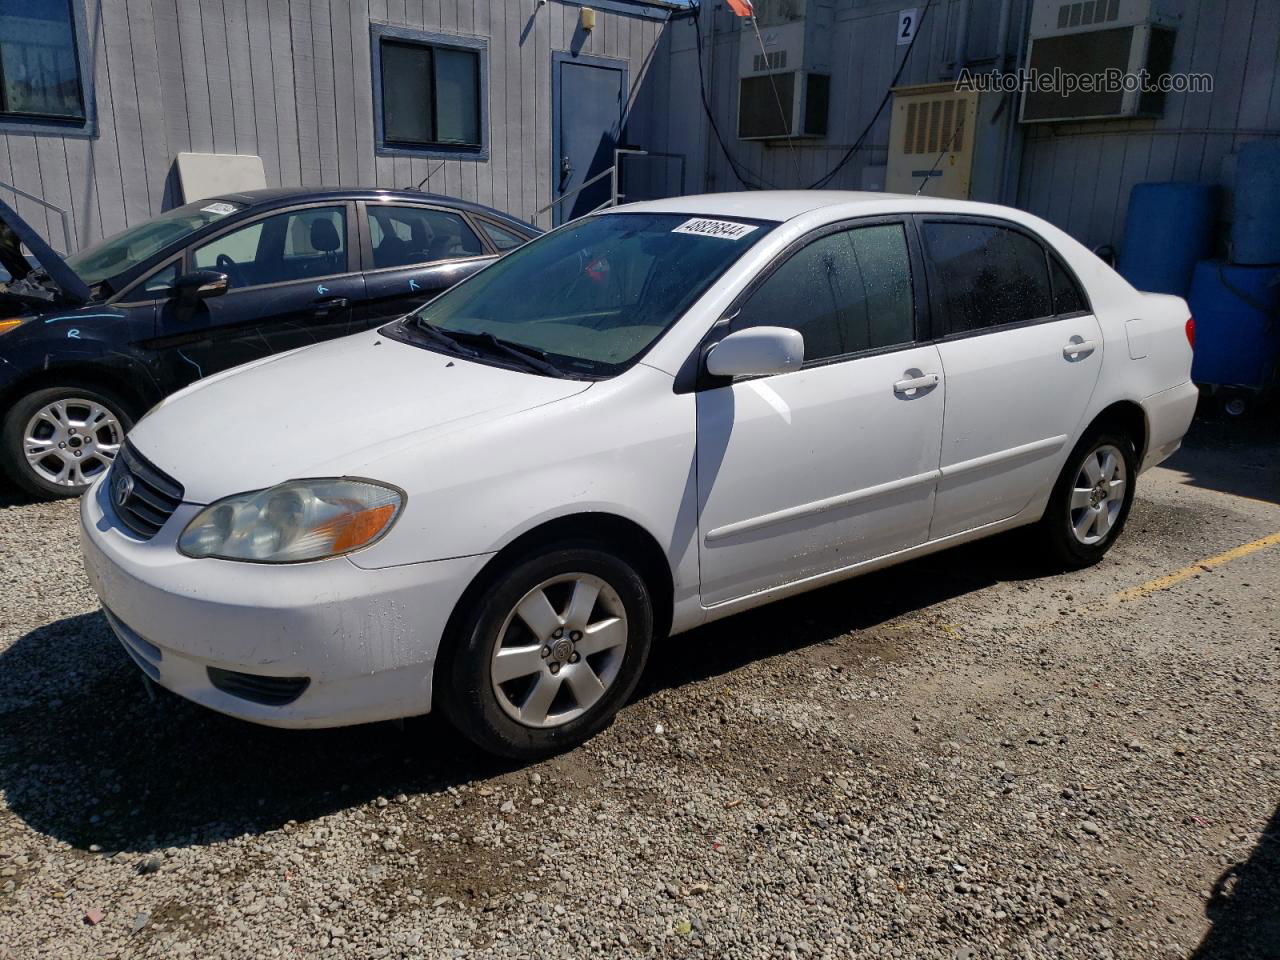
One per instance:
(756,352)
(200,285)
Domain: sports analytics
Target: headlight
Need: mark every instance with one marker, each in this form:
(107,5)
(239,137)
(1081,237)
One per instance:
(7,325)
(295,521)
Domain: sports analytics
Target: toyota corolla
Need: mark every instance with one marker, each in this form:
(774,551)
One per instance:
(645,420)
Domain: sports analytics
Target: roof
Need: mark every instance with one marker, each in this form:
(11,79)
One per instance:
(782,205)
(760,204)
(273,196)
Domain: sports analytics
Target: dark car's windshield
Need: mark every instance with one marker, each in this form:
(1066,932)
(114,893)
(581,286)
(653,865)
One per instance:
(594,295)
(124,251)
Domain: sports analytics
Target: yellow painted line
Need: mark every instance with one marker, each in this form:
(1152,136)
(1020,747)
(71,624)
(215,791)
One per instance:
(1200,566)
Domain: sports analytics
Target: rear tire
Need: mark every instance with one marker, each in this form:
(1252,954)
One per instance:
(1091,500)
(547,653)
(56,441)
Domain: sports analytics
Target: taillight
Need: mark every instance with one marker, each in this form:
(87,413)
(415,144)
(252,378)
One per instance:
(1191,332)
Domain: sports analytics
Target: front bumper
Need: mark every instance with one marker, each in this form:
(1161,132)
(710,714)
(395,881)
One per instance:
(364,641)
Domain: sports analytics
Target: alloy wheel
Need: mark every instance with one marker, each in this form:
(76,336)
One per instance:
(1097,497)
(559,650)
(71,441)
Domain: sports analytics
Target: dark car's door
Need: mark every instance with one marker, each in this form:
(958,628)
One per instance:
(292,282)
(412,253)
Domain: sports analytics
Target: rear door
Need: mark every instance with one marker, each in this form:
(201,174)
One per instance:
(291,284)
(1021,355)
(412,253)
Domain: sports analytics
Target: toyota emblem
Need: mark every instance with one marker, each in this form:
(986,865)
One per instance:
(122,489)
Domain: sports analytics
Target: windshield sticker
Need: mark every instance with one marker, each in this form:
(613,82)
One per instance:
(221,209)
(720,229)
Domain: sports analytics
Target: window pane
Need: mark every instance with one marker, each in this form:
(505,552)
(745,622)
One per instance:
(845,292)
(300,245)
(1067,296)
(457,96)
(162,280)
(404,235)
(502,238)
(406,92)
(38,59)
(988,275)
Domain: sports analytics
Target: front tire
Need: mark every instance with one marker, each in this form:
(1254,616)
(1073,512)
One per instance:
(56,441)
(547,653)
(1091,500)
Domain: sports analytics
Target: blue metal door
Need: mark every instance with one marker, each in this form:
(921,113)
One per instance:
(591,94)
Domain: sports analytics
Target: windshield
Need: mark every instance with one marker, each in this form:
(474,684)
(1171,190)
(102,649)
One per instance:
(594,295)
(124,251)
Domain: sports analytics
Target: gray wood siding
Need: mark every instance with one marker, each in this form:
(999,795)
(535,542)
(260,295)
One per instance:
(290,81)
(1076,175)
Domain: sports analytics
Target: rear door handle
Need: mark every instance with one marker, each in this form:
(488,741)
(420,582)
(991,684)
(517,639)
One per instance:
(909,387)
(1077,349)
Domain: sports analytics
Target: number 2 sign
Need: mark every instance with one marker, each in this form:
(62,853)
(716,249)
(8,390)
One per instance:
(907,21)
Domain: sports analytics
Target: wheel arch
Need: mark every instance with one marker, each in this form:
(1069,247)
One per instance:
(619,534)
(133,391)
(1126,415)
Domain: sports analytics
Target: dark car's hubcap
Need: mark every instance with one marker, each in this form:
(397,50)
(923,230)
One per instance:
(71,441)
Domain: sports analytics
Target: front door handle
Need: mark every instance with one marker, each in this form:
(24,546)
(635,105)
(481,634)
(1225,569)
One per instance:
(909,387)
(326,304)
(1078,349)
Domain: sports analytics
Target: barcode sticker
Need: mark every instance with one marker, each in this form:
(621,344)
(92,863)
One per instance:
(720,229)
(221,209)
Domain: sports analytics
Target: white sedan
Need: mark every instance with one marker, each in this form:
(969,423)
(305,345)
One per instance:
(645,420)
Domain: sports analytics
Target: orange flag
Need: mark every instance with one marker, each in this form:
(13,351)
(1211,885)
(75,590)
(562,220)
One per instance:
(741,7)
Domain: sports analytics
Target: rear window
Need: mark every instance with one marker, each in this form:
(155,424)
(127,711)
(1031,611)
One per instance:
(987,276)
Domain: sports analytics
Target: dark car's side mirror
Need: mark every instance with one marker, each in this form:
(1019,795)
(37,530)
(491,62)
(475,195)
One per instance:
(200,285)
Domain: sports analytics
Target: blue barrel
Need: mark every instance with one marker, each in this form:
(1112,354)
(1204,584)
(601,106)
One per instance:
(1237,312)
(1255,230)
(1169,227)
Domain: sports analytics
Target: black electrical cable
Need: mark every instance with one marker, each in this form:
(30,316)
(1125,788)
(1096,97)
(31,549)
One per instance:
(761,183)
(826,178)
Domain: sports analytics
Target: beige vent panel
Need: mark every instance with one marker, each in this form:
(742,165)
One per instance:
(931,141)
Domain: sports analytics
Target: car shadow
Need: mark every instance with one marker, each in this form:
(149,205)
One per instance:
(89,757)
(1244,907)
(1235,456)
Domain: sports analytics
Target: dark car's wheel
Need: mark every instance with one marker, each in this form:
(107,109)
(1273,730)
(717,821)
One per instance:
(547,653)
(1091,500)
(58,440)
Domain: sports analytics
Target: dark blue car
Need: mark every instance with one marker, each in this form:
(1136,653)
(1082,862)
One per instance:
(90,342)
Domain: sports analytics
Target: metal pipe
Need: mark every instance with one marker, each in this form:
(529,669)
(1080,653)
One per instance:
(1009,170)
(1002,35)
(960,54)
(66,217)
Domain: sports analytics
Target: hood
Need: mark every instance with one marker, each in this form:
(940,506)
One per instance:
(325,411)
(14,233)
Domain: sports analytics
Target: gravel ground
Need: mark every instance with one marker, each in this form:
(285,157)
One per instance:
(958,758)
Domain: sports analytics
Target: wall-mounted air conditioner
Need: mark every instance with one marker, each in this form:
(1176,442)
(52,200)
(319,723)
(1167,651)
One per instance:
(784,76)
(1095,38)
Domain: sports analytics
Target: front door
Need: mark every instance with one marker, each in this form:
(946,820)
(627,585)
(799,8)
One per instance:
(1021,353)
(591,94)
(290,285)
(807,472)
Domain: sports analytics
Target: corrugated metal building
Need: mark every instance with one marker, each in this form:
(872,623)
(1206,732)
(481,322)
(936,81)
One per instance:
(516,102)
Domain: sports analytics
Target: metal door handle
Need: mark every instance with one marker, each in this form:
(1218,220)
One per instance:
(1079,348)
(916,383)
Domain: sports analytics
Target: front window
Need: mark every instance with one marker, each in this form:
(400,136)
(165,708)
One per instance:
(594,295)
(39,63)
(288,247)
(115,255)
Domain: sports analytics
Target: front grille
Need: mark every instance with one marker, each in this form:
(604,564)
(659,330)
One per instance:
(143,495)
(271,691)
